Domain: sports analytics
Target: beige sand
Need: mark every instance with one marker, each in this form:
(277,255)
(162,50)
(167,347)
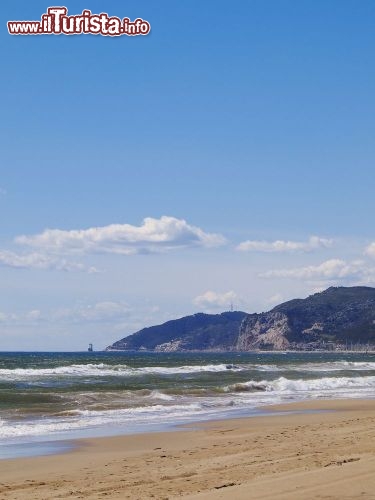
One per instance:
(327,455)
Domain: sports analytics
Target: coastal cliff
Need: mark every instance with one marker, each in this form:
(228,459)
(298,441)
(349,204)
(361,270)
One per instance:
(336,316)
(264,331)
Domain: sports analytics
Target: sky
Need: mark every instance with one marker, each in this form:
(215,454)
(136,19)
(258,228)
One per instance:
(226,158)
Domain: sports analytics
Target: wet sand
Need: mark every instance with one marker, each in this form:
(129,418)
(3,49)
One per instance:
(328,454)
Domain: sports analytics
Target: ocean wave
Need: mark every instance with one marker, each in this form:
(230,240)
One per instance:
(332,366)
(76,420)
(160,395)
(283,384)
(175,370)
(101,369)
(125,398)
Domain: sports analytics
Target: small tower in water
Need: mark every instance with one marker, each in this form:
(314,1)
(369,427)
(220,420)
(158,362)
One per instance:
(90,349)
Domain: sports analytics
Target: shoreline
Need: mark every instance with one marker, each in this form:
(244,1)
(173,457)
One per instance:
(300,450)
(56,444)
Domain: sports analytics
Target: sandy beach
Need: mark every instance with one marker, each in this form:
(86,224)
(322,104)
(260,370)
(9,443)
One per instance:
(327,454)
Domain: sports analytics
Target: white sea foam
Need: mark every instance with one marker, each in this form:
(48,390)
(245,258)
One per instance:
(160,395)
(262,368)
(311,366)
(93,370)
(283,384)
(174,370)
(332,366)
(81,419)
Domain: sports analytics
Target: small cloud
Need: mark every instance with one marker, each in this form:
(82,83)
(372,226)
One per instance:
(214,300)
(3,192)
(313,243)
(275,299)
(104,310)
(93,270)
(21,317)
(100,311)
(37,260)
(370,250)
(333,269)
(33,315)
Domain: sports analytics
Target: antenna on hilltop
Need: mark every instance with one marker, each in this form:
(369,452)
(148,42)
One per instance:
(231,307)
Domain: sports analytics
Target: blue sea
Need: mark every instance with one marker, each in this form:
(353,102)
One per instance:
(58,396)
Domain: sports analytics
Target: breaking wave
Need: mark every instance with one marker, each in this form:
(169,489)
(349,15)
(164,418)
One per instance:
(101,369)
(334,366)
(283,384)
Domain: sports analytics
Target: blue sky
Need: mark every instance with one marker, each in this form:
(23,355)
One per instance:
(230,127)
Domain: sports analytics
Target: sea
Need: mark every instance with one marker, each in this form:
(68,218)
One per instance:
(47,399)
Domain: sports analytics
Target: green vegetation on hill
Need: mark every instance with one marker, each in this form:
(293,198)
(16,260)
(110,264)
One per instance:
(346,314)
(197,332)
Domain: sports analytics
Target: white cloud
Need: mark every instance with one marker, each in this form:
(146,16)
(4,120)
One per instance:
(277,298)
(21,317)
(33,315)
(313,243)
(52,246)
(3,191)
(333,269)
(38,260)
(153,235)
(3,317)
(370,250)
(215,300)
(104,311)
(115,315)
